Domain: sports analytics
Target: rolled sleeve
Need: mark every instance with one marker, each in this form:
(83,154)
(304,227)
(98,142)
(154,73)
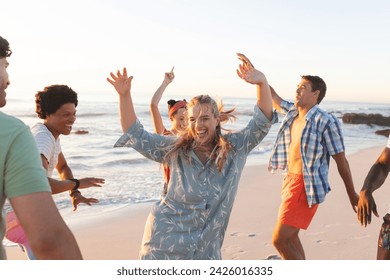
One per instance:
(128,138)
(286,106)
(150,145)
(261,120)
(254,132)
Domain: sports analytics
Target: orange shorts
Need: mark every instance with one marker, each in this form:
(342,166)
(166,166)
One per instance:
(294,210)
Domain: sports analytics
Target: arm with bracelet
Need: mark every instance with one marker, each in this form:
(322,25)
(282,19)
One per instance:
(56,106)
(76,187)
(75,191)
(67,177)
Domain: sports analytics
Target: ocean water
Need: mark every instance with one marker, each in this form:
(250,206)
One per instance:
(131,178)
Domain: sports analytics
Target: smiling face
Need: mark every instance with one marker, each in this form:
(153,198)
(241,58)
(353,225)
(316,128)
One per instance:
(4,80)
(305,97)
(202,124)
(179,120)
(61,122)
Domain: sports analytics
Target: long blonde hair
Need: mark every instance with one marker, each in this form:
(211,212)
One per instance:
(186,142)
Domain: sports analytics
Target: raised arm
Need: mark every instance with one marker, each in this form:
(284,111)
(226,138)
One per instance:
(156,116)
(374,180)
(122,84)
(251,75)
(276,100)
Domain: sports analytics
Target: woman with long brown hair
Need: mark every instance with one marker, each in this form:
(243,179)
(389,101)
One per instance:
(206,165)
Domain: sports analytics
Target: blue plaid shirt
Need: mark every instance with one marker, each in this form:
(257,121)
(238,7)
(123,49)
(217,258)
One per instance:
(321,138)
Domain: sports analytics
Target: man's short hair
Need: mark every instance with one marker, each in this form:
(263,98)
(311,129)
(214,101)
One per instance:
(4,48)
(316,84)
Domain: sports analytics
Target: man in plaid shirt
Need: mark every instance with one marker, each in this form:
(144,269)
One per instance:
(307,137)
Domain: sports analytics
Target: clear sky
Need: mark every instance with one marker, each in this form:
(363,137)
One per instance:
(78,43)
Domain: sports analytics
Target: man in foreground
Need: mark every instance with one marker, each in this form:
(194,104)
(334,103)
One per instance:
(23,181)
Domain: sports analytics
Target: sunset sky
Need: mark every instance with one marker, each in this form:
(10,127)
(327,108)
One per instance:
(79,43)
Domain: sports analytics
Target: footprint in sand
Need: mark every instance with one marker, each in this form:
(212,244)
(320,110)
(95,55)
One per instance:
(323,242)
(235,252)
(243,234)
(273,257)
(362,236)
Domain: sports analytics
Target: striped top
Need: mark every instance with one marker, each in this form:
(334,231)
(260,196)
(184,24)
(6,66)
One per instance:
(321,137)
(48,146)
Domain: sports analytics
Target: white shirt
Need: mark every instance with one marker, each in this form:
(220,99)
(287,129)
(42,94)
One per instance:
(388,143)
(48,146)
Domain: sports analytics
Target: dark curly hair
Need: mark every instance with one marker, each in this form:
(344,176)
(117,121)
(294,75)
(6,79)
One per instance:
(4,48)
(51,98)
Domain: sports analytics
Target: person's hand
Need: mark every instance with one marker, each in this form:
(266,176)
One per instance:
(366,205)
(90,182)
(245,60)
(248,73)
(353,199)
(78,198)
(121,82)
(169,76)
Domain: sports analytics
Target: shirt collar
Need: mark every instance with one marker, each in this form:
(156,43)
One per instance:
(309,114)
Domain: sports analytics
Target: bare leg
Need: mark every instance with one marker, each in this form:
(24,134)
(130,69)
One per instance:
(383,254)
(298,245)
(286,241)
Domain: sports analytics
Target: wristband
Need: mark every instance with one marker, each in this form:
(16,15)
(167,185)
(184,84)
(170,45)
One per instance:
(77,184)
(73,193)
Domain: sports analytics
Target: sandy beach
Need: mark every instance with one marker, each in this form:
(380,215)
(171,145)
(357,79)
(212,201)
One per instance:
(333,235)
